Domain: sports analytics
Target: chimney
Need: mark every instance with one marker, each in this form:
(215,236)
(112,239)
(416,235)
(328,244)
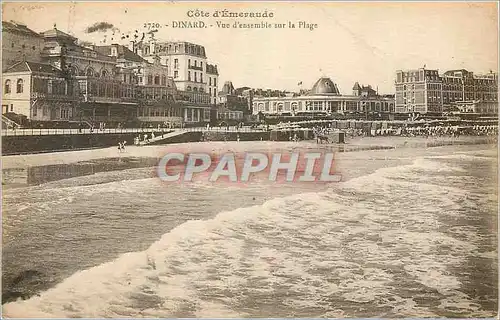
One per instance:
(131,46)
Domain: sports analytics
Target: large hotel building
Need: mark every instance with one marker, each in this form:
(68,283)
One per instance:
(456,91)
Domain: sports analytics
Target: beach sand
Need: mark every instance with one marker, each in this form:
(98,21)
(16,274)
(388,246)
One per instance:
(353,144)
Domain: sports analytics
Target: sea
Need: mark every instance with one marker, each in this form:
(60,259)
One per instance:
(408,232)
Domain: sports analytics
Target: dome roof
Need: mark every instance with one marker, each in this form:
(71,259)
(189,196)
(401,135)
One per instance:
(325,86)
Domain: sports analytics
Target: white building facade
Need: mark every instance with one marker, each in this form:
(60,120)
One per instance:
(323,99)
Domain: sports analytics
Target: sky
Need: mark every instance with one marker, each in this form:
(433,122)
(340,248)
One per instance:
(354,41)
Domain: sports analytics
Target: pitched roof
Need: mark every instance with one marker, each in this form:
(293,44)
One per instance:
(356,86)
(55,33)
(14,27)
(123,53)
(28,66)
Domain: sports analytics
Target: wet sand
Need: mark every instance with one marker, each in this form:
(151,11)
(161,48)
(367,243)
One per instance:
(353,144)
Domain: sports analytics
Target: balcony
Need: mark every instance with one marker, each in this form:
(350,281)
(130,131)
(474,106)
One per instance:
(50,96)
(195,68)
(108,100)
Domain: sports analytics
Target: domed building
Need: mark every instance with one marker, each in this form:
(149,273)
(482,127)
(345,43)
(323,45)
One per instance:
(325,86)
(325,99)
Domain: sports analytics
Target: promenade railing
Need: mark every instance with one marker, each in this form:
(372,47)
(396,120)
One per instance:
(56,131)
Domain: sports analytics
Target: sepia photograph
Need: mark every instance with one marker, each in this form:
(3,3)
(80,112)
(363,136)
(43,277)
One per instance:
(286,159)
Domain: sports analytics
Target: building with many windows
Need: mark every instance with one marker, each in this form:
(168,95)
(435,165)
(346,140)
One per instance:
(325,99)
(104,96)
(111,84)
(154,91)
(425,91)
(195,79)
(418,91)
(38,91)
(213,79)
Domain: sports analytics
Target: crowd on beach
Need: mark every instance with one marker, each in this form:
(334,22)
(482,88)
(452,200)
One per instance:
(427,131)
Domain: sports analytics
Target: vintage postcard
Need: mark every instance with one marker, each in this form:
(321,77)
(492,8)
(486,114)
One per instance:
(249,159)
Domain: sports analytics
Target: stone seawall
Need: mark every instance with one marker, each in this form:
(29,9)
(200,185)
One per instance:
(12,145)
(46,143)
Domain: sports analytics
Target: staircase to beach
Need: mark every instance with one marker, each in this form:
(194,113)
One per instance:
(8,123)
(159,139)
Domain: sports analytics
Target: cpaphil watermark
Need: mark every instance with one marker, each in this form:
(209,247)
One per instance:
(241,168)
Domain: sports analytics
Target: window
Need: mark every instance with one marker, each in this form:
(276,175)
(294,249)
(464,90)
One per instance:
(188,88)
(201,64)
(157,79)
(195,89)
(150,79)
(83,87)
(189,62)
(195,77)
(201,90)
(35,111)
(11,108)
(209,81)
(33,48)
(176,74)
(20,86)
(195,63)
(163,80)
(176,63)
(7,86)
(189,75)
(201,77)
(90,72)
(215,82)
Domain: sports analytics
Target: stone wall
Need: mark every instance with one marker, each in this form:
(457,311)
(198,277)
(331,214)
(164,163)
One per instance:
(51,143)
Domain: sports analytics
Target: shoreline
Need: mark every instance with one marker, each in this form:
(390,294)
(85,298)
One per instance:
(354,144)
